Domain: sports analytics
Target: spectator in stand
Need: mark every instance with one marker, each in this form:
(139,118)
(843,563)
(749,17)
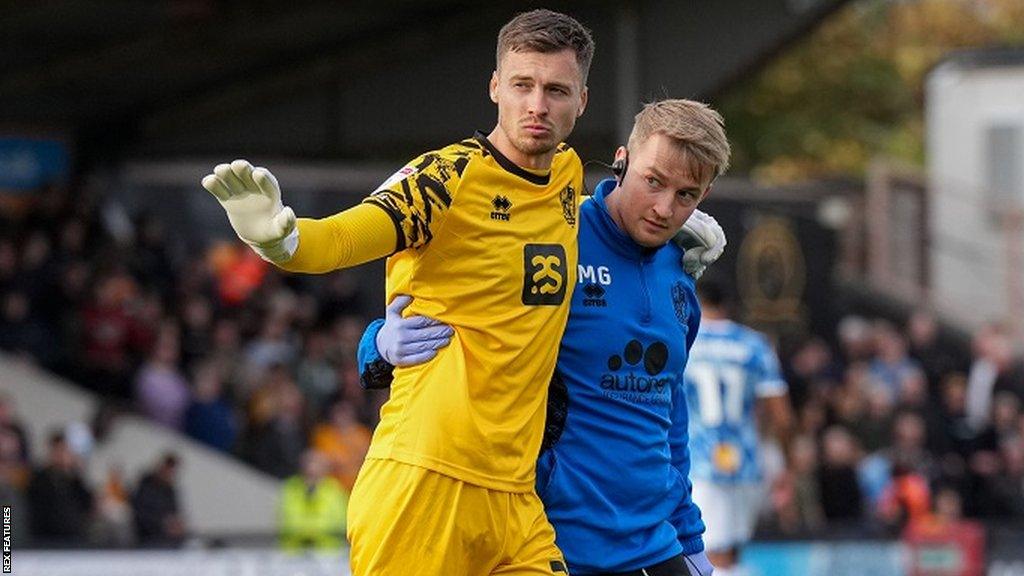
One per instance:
(891,364)
(147,313)
(113,525)
(196,329)
(343,441)
(161,391)
(841,499)
(316,375)
(811,366)
(275,436)
(935,359)
(1006,415)
(313,508)
(10,422)
(339,295)
(38,276)
(848,402)
(796,495)
(274,346)
(240,272)
(874,429)
(307,314)
(69,299)
(914,394)
(106,335)
(150,257)
(226,352)
(908,448)
(158,518)
(60,503)
(965,452)
(995,368)
(948,505)
(1008,486)
(8,265)
(209,418)
(856,343)
(347,330)
(905,500)
(812,417)
(895,480)
(14,475)
(22,332)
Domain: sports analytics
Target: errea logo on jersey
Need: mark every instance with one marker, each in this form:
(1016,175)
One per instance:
(502,205)
(593,295)
(594,280)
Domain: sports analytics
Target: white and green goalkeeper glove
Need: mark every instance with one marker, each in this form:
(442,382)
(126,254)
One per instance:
(252,199)
(703,241)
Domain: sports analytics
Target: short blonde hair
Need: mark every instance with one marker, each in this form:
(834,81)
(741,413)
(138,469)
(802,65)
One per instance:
(695,127)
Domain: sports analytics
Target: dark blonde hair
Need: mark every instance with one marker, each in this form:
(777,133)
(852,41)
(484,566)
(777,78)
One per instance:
(696,128)
(546,31)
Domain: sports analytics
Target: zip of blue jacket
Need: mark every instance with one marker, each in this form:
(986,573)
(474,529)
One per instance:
(615,477)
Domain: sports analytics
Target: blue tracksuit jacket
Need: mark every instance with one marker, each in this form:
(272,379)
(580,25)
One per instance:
(614,476)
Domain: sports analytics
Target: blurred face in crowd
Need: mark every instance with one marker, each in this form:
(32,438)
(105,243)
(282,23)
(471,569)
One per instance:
(314,466)
(909,432)
(891,346)
(922,328)
(914,389)
(660,189)
(954,394)
(539,97)
(1005,410)
(61,456)
(838,448)
(948,504)
(803,455)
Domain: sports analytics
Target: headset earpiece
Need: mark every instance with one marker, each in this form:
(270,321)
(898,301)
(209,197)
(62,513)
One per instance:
(619,167)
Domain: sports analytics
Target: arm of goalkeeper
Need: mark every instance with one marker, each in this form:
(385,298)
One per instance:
(703,241)
(251,197)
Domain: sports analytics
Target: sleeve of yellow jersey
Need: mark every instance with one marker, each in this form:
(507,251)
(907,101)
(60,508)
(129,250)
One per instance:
(401,214)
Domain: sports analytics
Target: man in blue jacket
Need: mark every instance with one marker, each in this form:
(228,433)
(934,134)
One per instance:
(613,472)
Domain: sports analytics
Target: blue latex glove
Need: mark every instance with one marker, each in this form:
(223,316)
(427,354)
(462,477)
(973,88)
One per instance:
(413,340)
(699,565)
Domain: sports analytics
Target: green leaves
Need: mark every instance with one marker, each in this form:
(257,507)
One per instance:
(853,89)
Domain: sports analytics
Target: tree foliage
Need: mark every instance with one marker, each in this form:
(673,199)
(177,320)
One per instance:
(853,89)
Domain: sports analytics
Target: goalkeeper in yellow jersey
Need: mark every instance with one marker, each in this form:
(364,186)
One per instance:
(482,234)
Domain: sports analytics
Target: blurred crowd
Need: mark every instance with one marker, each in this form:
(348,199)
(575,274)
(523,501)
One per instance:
(207,339)
(202,337)
(897,426)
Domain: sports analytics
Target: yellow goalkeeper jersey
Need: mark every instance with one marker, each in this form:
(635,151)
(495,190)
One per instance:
(488,248)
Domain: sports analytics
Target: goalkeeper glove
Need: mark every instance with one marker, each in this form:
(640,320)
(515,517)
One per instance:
(252,199)
(703,241)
